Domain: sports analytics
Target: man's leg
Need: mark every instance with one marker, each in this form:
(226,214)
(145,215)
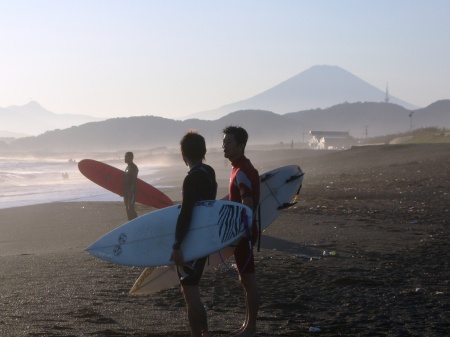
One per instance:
(196,311)
(129,205)
(248,281)
(132,201)
(132,213)
(246,267)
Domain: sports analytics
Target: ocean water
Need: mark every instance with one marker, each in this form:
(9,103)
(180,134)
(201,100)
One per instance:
(36,181)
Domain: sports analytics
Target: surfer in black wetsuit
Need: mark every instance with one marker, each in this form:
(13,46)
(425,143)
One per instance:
(129,186)
(199,184)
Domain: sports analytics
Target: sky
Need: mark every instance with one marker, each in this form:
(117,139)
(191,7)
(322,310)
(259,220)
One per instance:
(172,58)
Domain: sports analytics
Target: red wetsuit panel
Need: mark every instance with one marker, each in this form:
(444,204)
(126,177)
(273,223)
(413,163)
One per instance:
(244,182)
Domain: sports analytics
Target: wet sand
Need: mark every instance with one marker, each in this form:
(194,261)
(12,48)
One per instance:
(384,210)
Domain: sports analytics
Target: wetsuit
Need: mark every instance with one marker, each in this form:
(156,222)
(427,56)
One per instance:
(129,190)
(244,183)
(199,184)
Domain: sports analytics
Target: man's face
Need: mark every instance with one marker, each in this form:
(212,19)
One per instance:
(127,158)
(231,149)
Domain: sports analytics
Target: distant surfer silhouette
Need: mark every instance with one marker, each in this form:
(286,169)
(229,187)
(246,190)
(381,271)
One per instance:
(129,186)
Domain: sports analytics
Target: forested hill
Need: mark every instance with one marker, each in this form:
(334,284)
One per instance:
(150,132)
(264,127)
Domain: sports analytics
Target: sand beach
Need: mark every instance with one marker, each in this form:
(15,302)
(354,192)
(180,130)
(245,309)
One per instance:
(380,213)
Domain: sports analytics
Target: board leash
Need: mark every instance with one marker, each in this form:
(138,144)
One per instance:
(259,227)
(249,238)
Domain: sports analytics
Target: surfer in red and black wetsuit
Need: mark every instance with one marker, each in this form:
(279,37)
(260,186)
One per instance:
(129,186)
(244,188)
(199,184)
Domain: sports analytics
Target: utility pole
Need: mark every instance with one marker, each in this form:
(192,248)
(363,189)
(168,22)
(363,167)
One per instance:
(410,121)
(386,98)
(366,132)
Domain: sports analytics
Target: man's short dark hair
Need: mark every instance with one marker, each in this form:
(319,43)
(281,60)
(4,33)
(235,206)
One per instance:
(193,145)
(240,135)
(129,154)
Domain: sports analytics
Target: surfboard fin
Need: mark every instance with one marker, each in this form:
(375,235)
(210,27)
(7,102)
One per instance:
(286,205)
(268,176)
(292,178)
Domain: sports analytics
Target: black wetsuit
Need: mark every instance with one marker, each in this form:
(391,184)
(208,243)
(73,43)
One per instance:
(199,184)
(129,190)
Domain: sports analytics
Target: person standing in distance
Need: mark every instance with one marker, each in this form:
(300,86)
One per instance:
(244,188)
(129,186)
(199,184)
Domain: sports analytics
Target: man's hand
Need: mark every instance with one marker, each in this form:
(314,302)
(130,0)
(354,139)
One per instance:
(177,257)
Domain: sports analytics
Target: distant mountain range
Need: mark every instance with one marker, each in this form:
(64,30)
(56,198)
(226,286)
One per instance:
(32,119)
(318,87)
(322,98)
(264,127)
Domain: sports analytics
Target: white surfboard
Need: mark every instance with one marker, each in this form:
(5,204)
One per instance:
(279,190)
(154,279)
(147,240)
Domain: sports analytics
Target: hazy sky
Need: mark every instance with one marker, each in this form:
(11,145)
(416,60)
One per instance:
(171,58)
